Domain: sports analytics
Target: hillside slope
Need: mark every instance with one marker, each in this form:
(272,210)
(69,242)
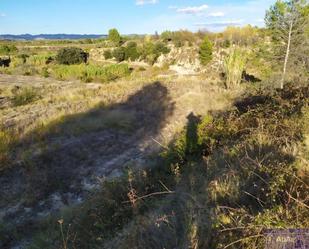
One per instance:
(225,179)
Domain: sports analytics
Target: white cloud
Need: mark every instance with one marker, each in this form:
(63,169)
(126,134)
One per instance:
(216,14)
(143,2)
(2,15)
(193,9)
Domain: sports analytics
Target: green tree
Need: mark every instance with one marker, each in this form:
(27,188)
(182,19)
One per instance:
(69,56)
(206,51)
(114,36)
(287,22)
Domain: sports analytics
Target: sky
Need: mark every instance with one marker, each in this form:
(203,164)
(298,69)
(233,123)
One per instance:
(128,16)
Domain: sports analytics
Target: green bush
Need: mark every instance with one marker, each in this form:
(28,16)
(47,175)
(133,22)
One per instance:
(160,48)
(206,51)
(70,56)
(125,53)
(8,49)
(108,54)
(151,51)
(88,73)
(119,54)
(131,51)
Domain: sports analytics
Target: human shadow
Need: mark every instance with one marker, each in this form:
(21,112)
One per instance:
(191,133)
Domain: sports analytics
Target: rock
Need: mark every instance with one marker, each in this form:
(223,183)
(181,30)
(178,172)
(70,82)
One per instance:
(183,60)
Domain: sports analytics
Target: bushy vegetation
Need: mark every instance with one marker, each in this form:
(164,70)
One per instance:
(234,65)
(179,38)
(241,36)
(216,186)
(108,54)
(131,52)
(88,73)
(151,51)
(70,56)
(119,54)
(24,96)
(45,59)
(8,49)
(206,51)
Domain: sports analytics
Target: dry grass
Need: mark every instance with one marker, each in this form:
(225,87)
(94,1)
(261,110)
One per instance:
(59,99)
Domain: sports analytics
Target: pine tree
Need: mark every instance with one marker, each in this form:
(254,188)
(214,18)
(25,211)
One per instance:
(206,51)
(287,22)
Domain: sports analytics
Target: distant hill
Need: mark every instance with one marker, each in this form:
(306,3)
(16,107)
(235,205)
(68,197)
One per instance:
(49,37)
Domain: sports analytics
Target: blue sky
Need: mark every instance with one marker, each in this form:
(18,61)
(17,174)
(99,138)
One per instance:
(129,16)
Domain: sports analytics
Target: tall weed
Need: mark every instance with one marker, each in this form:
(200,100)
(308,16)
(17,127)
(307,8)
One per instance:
(233,66)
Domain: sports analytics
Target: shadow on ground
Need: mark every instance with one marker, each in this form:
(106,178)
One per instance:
(58,164)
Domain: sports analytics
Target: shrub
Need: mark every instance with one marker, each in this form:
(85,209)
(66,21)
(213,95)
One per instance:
(234,65)
(24,96)
(131,51)
(247,35)
(167,36)
(206,51)
(160,48)
(88,73)
(151,51)
(108,54)
(70,56)
(119,54)
(114,36)
(179,38)
(8,49)
(40,59)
